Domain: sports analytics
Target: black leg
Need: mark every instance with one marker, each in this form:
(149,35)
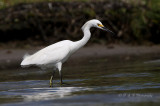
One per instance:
(60,73)
(59,69)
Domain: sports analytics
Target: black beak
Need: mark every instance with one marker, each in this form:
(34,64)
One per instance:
(104,28)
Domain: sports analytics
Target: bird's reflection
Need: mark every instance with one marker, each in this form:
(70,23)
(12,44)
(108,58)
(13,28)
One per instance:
(51,93)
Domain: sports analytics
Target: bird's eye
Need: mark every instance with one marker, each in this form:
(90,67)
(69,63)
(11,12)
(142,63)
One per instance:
(100,25)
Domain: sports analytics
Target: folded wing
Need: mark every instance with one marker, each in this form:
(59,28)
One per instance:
(50,55)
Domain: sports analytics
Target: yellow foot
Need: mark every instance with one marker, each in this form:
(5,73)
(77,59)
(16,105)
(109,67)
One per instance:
(50,85)
(62,83)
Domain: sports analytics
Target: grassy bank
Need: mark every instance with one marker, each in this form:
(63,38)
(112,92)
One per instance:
(8,3)
(49,22)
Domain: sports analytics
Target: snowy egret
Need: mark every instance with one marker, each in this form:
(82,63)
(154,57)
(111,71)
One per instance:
(56,54)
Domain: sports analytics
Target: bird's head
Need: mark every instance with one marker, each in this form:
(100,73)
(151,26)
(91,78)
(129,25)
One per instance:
(95,23)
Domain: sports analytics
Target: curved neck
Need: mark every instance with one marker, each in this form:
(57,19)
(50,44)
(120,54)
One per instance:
(78,44)
(86,37)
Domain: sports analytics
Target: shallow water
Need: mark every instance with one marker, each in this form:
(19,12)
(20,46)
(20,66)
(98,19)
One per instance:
(120,80)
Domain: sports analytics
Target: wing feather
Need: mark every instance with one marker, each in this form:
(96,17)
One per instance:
(49,55)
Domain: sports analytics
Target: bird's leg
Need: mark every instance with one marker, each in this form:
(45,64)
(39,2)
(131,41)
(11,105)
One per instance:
(60,73)
(51,80)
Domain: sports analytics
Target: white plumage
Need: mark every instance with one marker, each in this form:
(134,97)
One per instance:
(50,55)
(56,54)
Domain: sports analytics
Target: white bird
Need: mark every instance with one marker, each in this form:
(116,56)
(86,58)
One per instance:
(56,54)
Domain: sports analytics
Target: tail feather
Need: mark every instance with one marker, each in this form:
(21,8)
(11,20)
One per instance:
(26,55)
(25,61)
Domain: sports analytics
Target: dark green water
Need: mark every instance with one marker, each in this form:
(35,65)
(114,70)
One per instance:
(121,80)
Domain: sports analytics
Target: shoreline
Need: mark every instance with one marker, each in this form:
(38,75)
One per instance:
(11,58)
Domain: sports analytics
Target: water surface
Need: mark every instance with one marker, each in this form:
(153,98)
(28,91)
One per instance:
(119,80)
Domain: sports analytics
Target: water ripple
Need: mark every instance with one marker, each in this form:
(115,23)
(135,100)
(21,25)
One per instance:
(130,75)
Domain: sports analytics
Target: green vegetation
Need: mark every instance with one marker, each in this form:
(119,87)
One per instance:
(146,20)
(7,3)
(134,21)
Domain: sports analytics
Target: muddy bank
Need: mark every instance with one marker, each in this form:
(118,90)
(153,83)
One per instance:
(11,58)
